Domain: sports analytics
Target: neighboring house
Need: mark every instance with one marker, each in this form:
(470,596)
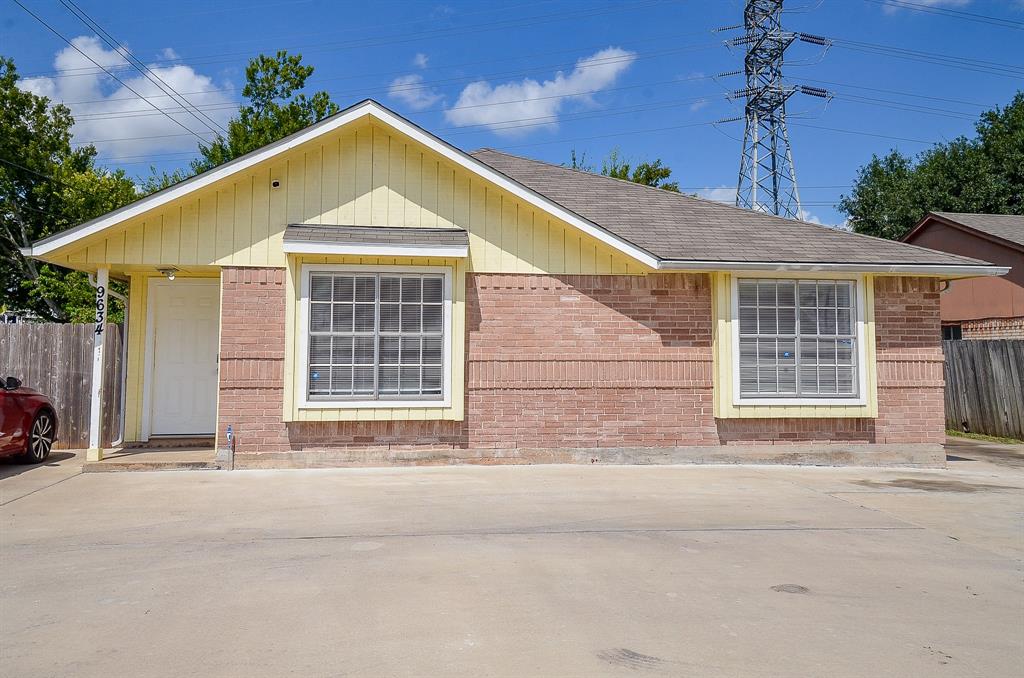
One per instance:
(980,308)
(363,293)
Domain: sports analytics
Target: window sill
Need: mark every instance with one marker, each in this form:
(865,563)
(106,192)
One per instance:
(800,402)
(371,404)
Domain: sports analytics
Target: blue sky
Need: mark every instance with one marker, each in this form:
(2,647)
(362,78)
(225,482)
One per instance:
(647,68)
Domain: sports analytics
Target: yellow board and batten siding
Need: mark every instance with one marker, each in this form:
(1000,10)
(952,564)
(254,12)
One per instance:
(365,175)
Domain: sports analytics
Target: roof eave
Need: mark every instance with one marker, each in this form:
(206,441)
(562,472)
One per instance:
(833,267)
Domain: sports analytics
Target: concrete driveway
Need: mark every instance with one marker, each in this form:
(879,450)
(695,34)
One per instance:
(515,571)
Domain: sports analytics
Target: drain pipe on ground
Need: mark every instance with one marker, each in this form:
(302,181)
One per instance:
(124,363)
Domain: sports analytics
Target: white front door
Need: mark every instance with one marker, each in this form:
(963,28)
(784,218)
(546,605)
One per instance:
(184,324)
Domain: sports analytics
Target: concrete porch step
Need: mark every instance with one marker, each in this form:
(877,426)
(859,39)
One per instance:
(161,459)
(117,466)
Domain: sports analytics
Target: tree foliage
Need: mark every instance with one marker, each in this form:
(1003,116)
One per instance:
(273,111)
(983,174)
(46,186)
(646,173)
(651,174)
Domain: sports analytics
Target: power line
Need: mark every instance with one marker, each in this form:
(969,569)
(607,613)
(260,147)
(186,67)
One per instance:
(509,102)
(126,86)
(865,134)
(605,112)
(951,13)
(915,95)
(519,22)
(934,58)
(43,175)
(161,84)
(430,84)
(278,40)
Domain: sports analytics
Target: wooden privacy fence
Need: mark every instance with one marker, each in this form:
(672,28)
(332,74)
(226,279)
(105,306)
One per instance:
(985,386)
(56,359)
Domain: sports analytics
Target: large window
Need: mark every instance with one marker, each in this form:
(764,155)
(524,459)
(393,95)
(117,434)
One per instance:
(798,338)
(376,336)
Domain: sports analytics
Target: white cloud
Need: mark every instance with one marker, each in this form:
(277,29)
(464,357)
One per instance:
(410,90)
(105,109)
(481,103)
(699,104)
(420,60)
(724,194)
(892,9)
(804,215)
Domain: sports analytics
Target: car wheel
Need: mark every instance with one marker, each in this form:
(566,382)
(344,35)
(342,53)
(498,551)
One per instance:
(40,438)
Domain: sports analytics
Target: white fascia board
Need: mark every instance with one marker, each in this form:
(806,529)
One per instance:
(917,269)
(375,110)
(383,250)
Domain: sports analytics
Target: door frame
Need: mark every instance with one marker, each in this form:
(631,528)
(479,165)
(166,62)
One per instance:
(150,347)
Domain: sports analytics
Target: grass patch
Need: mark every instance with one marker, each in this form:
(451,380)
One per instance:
(980,436)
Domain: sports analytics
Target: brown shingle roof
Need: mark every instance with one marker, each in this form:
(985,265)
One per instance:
(1009,227)
(677,227)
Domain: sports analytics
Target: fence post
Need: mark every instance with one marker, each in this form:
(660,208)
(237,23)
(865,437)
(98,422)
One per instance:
(95,452)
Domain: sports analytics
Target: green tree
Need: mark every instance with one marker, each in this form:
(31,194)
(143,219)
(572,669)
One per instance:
(159,180)
(273,111)
(982,174)
(46,186)
(647,173)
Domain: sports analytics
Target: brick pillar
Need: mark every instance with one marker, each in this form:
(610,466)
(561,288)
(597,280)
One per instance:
(908,342)
(252,358)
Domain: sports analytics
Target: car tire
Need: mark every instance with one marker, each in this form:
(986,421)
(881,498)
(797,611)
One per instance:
(40,438)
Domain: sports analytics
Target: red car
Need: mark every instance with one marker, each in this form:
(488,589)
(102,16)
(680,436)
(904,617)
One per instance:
(28,422)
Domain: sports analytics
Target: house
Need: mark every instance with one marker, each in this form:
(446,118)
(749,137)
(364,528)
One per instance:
(363,293)
(979,308)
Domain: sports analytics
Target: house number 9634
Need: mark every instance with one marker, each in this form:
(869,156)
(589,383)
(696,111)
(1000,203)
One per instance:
(101,308)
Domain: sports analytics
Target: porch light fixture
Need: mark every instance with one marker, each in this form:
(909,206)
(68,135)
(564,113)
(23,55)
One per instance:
(168,272)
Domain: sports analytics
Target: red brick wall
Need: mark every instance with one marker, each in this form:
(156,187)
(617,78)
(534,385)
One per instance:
(589,361)
(993,328)
(577,362)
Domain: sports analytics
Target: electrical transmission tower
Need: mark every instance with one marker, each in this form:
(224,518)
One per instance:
(767,179)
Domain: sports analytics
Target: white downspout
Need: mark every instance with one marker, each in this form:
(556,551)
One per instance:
(95,452)
(124,361)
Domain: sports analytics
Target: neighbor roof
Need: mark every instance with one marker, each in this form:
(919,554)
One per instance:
(1008,227)
(679,227)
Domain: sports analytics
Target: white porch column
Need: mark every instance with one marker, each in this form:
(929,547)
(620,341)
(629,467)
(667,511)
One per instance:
(95,452)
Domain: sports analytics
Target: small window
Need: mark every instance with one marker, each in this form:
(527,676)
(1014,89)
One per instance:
(950,332)
(376,336)
(797,338)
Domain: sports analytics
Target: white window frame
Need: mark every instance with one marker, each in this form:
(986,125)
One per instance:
(862,371)
(302,336)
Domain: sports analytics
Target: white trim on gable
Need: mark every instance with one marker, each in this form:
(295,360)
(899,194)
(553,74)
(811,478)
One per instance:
(366,108)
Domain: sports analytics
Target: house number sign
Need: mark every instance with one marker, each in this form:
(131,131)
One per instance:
(101,308)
